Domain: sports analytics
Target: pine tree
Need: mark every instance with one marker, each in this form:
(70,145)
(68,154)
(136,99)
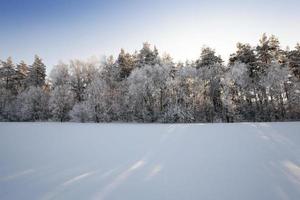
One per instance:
(275,49)
(126,64)
(263,51)
(22,73)
(208,58)
(37,73)
(268,51)
(210,67)
(8,75)
(259,84)
(294,60)
(147,56)
(113,89)
(245,54)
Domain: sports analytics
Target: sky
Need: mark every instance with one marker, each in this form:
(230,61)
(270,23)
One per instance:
(78,29)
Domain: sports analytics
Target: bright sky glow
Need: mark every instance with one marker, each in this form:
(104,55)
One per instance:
(63,30)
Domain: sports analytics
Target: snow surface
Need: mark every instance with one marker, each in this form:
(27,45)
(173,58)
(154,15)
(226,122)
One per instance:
(241,161)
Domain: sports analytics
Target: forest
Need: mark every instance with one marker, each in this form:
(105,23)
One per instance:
(257,84)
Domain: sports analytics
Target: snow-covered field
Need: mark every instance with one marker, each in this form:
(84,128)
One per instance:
(243,161)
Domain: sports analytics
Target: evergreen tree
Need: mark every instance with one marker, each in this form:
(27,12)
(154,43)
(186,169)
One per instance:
(294,60)
(210,68)
(268,53)
(264,51)
(37,73)
(22,73)
(147,56)
(268,50)
(125,62)
(245,54)
(8,89)
(114,90)
(208,58)
(8,75)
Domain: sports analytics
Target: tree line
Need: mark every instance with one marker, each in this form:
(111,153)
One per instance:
(259,83)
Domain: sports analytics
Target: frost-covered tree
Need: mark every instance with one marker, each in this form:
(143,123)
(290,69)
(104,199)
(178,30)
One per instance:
(60,75)
(61,102)
(147,91)
(61,97)
(101,93)
(211,76)
(110,71)
(267,52)
(245,54)
(294,60)
(33,104)
(81,112)
(259,83)
(78,84)
(274,81)
(185,99)
(293,102)
(210,69)
(98,100)
(236,85)
(115,90)
(81,75)
(6,99)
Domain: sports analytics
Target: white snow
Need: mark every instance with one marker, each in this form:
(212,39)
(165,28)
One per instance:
(242,161)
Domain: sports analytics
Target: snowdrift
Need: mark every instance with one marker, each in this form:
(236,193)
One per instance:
(242,161)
